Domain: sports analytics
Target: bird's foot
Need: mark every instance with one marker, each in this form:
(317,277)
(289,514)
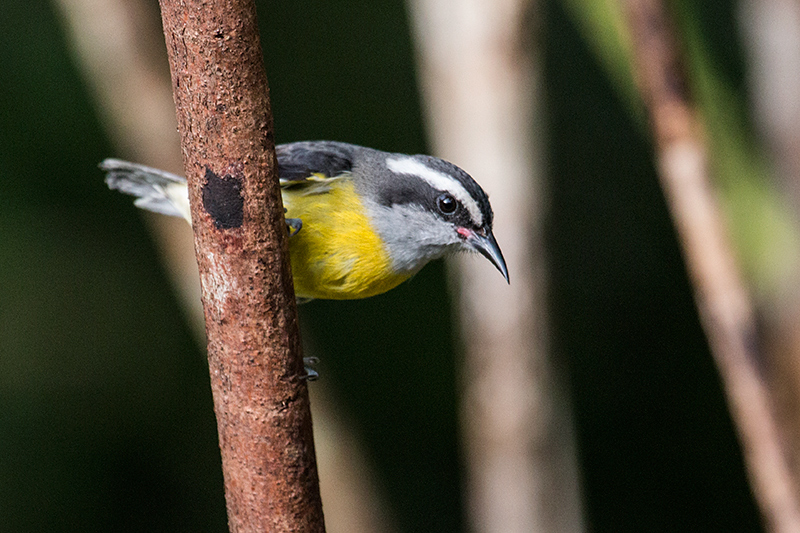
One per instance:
(308,364)
(294,225)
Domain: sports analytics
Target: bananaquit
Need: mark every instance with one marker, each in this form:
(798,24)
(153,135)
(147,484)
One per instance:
(361,221)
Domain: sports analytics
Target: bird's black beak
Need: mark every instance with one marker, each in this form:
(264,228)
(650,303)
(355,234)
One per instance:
(487,246)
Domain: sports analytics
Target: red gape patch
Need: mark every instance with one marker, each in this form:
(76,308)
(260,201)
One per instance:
(464,232)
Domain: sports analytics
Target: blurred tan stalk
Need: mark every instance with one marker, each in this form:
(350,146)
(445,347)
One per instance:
(772,41)
(480,83)
(772,31)
(118,44)
(725,307)
(112,42)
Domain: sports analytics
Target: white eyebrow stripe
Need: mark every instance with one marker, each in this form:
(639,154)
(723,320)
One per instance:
(437,180)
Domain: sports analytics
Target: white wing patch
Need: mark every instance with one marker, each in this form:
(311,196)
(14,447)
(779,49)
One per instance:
(437,180)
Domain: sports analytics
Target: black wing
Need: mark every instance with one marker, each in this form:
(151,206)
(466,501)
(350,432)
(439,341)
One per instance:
(297,162)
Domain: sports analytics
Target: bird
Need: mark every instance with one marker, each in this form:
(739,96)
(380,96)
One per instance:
(360,220)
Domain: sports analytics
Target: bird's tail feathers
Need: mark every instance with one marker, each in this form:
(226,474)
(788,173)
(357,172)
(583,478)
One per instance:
(155,190)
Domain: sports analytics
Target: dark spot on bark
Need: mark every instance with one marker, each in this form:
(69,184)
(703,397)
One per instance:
(222,199)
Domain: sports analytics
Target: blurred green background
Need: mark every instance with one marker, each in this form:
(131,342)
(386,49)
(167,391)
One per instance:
(106,420)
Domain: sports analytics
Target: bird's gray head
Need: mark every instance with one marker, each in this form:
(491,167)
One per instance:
(427,207)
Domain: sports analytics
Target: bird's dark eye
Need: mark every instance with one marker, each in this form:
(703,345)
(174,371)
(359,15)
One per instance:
(446,204)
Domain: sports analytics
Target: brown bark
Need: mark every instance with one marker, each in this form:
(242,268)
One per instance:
(726,310)
(254,353)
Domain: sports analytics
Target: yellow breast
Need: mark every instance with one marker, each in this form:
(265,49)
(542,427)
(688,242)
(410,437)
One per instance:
(337,254)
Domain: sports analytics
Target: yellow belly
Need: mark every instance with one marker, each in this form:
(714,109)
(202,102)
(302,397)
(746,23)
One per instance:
(336,255)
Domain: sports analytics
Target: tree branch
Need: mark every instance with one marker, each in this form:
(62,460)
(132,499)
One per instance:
(722,299)
(254,352)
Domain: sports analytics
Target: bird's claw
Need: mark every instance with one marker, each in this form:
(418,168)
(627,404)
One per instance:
(308,364)
(294,225)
